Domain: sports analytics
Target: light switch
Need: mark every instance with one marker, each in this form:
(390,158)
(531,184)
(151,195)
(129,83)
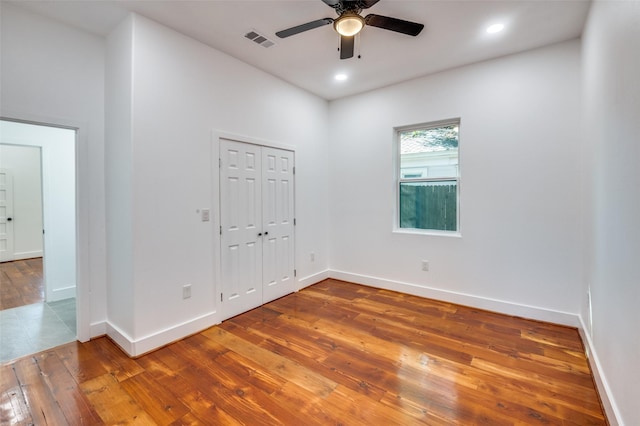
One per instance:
(205,215)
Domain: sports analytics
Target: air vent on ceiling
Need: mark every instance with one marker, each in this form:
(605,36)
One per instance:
(258,38)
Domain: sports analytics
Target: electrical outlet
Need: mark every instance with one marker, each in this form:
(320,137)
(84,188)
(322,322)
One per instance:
(425,265)
(186,291)
(206,216)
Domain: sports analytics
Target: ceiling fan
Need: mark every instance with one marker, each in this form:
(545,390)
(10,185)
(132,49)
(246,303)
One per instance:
(349,23)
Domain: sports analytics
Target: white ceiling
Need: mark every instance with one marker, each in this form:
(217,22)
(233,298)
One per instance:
(454,34)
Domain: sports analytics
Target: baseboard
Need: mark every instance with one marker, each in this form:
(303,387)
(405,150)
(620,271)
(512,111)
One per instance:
(137,347)
(62,293)
(27,255)
(97,329)
(503,307)
(313,279)
(606,396)
(120,338)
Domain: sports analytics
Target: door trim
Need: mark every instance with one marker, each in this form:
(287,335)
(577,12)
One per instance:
(253,141)
(84,329)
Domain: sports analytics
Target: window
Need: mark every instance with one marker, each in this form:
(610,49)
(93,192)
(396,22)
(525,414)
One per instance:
(428,177)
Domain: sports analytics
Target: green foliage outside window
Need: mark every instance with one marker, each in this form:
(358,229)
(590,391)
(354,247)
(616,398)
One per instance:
(435,139)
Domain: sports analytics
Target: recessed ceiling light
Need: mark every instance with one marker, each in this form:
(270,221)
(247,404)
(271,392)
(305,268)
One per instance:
(495,28)
(341,77)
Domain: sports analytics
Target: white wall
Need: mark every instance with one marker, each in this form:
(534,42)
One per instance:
(24,164)
(520,217)
(53,73)
(181,92)
(118,181)
(58,201)
(612,188)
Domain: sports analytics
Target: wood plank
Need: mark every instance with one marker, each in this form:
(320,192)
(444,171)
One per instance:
(225,395)
(188,420)
(262,396)
(348,381)
(21,283)
(356,408)
(115,361)
(69,397)
(157,401)
(13,405)
(81,360)
(228,393)
(423,413)
(200,401)
(113,403)
(541,379)
(282,334)
(285,368)
(310,407)
(40,401)
(86,362)
(251,372)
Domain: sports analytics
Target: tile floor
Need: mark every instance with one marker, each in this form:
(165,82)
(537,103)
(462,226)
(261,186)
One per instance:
(34,328)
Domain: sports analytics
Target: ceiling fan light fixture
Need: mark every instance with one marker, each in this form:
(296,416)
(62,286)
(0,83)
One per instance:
(349,24)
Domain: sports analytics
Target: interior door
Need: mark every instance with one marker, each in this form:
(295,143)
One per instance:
(257,225)
(277,219)
(241,233)
(6,215)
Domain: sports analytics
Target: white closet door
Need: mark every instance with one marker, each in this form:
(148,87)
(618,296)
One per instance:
(277,219)
(256,216)
(241,222)
(6,213)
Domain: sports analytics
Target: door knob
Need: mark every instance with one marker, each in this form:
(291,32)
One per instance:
(266,233)
(9,219)
(260,234)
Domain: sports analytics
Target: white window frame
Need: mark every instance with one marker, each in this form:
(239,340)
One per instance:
(399,179)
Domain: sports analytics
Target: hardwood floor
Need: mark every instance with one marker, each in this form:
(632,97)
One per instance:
(334,353)
(21,283)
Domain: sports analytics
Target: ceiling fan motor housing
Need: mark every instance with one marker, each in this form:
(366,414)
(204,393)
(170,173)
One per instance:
(356,6)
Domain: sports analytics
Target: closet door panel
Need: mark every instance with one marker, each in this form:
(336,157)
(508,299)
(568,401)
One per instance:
(278,214)
(241,223)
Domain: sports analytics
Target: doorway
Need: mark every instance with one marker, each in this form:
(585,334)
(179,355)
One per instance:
(38,223)
(257,225)
(20,192)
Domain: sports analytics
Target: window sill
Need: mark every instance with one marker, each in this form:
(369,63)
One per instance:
(427,232)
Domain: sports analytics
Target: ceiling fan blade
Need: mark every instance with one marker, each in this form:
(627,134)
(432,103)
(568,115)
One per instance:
(346,47)
(304,27)
(394,24)
(366,4)
(332,3)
